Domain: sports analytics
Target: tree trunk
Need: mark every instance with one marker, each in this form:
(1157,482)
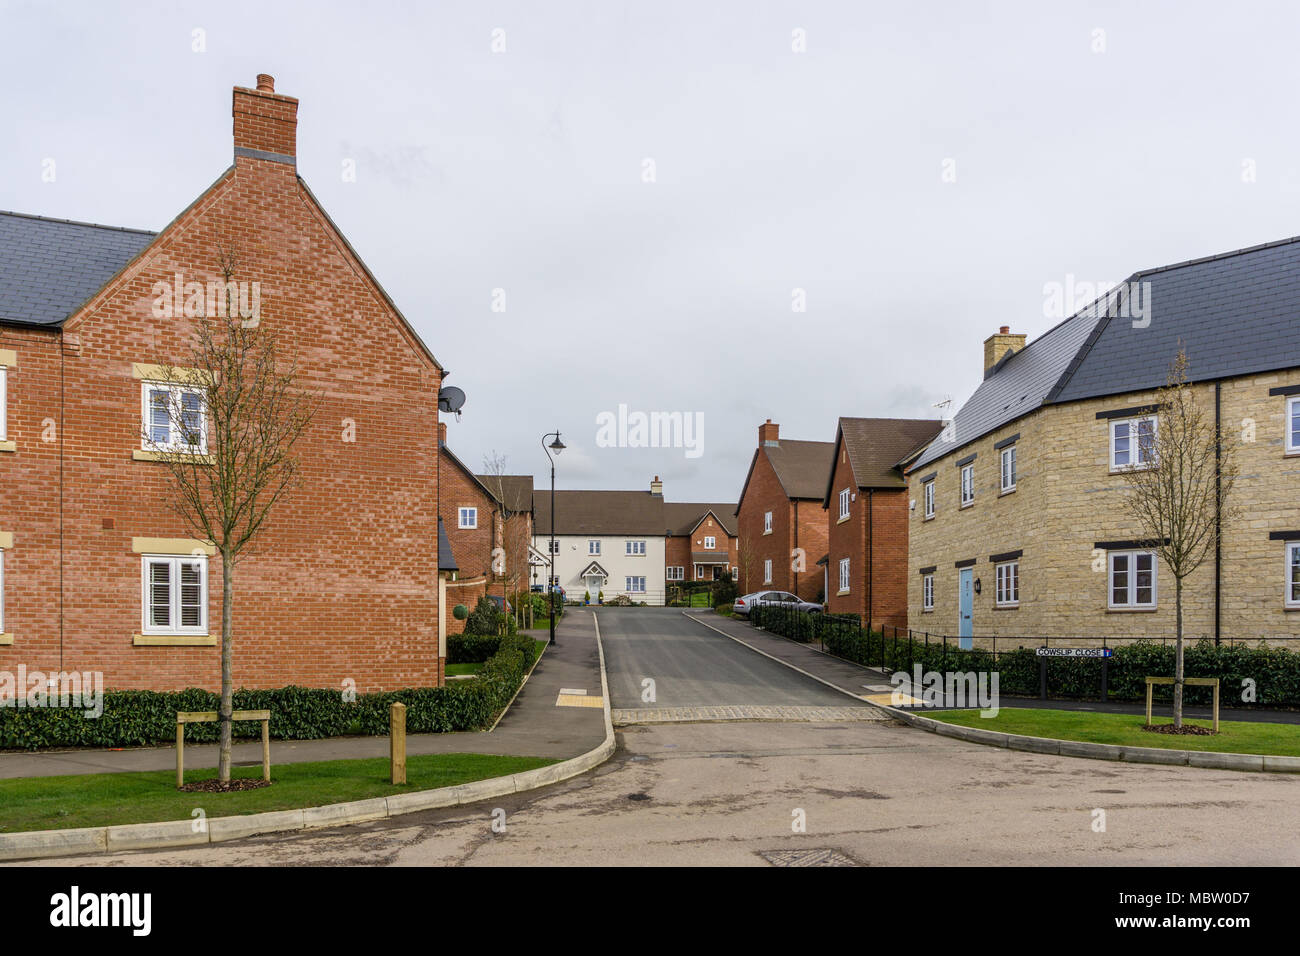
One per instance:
(1178,654)
(227,669)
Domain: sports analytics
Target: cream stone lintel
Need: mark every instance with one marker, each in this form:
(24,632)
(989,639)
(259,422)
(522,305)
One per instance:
(174,640)
(6,639)
(171,546)
(8,358)
(10,445)
(6,539)
(157,373)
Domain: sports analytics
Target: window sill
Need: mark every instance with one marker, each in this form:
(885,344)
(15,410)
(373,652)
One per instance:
(7,639)
(927,610)
(1006,607)
(969,504)
(141,455)
(1127,468)
(842,593)
(843,518)
(1006,491)
(9,445)
(174,640)
(1131,610)
(928,518)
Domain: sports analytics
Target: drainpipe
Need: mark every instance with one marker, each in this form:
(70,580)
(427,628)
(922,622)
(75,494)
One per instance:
(794,505)
(1218,511)
(871,535)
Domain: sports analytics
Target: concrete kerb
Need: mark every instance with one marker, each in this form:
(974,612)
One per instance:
(1077,748)
(37,844)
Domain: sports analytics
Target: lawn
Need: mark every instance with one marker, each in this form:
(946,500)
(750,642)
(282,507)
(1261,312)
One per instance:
(87,800)
(1235,736)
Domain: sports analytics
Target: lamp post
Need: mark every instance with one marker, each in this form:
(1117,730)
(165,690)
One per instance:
(556,446)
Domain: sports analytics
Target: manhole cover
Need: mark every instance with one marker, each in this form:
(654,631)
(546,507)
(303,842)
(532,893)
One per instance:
(818,856)
(638,796)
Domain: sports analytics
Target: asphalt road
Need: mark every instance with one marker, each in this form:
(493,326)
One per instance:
(694,666)
(877,793)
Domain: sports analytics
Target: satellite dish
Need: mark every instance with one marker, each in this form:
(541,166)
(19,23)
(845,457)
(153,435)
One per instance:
(451,399)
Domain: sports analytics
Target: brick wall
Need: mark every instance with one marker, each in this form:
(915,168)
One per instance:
(342,583)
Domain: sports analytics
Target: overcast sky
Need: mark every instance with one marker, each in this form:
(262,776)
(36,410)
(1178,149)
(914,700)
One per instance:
(920,171)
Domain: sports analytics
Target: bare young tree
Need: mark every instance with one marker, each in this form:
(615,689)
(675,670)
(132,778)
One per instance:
(1179,482)
(514,537)
(225,421)
(746,558)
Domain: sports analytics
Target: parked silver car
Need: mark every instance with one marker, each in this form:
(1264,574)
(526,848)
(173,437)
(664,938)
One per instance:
(746,602)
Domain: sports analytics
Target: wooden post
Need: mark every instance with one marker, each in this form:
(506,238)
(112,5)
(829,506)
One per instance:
(1216,705)
(180,755)
(266,750)
(1149,688)
(397,741)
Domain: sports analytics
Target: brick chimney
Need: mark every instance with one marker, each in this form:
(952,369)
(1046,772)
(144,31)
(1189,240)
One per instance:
(442,434)
(266,123)
(768,433)
(996,346)
(657,487)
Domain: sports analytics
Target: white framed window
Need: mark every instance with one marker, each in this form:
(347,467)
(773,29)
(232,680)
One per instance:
(1132,579)
(1009,468)
(844,575)
(844,503)
(1007,575)
(1292,418)
(929,498)
(927,592)
(635,584)
(553,546)
(1292,575)
(2,591)
(635,547)
(174,418)
(767,571)
(767,522)
(676,574)
(4,403)
(174,594)
(967,485)
(1132,442)
(469,518)
(710,543)
(593,546)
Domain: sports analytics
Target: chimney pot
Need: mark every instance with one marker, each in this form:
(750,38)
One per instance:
(996,346)
(265,83)
(265,122)
(442,433)
(1005,330)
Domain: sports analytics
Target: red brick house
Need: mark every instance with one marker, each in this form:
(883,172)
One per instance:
(867,516)
(781,524)
(514,495)
(701,541)
(470,517)
(96,573)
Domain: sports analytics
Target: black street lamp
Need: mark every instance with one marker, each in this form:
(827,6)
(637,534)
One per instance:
(556,446)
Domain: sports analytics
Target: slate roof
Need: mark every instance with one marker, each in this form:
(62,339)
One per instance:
(1019,384)
(875,446)
(516,491)
(682,517)
(50,267)
(1235,314)
(446,560)
(599,512)
(802,467)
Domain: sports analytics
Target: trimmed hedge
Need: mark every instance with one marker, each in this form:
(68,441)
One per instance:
(471,648)
(141,717)
(1275,671)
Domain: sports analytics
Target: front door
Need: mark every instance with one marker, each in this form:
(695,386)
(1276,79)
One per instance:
(966,591)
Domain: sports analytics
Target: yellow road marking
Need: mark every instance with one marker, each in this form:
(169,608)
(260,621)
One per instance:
(578,700)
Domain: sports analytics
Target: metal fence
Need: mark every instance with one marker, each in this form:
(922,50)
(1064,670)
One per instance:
(1268,667)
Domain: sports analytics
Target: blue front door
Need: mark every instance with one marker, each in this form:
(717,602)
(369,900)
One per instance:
(966,590)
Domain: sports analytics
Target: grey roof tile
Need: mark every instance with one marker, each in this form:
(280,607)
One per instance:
(50,267)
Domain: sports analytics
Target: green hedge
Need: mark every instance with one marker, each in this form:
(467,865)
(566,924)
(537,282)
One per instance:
(1275,671)
(141,717)
(471,648)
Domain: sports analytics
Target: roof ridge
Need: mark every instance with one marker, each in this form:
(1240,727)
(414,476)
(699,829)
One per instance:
(1201,260)
(76,222)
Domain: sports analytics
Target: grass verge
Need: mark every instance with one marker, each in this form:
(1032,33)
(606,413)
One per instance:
(1235,736)
(108,799)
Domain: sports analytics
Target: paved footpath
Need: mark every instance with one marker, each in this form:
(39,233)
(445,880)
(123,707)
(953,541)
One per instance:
(534,726)
(872,684)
